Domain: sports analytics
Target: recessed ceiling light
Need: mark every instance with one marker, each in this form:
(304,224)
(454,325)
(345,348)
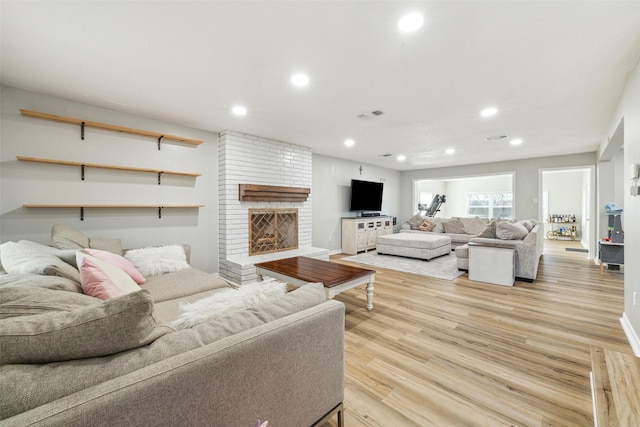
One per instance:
(516,141)
(239,110)
(349,143)
(300,80)
(410,22)
(401,157)
(488,112)
(450,151)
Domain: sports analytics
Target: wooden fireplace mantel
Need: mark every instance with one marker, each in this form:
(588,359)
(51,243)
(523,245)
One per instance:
(272,193)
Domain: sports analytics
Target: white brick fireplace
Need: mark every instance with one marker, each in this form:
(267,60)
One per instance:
(248,159)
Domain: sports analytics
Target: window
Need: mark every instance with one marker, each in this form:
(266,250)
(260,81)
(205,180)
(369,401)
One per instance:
(489,205)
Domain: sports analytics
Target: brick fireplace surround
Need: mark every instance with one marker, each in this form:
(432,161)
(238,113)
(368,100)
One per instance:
(248,159)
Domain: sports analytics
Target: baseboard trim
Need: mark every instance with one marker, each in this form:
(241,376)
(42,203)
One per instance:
(632,336)
(335,252)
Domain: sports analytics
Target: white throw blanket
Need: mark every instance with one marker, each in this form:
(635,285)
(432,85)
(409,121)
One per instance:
(223,302)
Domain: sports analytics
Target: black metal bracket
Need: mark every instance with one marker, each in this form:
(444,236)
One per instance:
(81,213)
(82,131)
(159,178)
(82,172)
(160,140)
(160,211)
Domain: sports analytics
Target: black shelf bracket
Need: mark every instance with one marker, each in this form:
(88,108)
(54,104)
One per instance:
(82,213)
(160,212)
(159,141)
(82,131)
(159,178)
(82,172)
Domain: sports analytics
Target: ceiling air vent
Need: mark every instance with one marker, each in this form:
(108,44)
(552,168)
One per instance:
(496,138)
(370,114)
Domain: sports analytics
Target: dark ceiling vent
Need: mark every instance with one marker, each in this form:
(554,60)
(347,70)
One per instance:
(496,138)
(386,155)
(370,114)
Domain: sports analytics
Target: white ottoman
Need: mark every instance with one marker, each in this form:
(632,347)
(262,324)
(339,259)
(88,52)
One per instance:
(414,245)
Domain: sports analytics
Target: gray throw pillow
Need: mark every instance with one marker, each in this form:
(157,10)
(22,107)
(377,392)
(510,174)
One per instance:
(475,226)
(40,281)
(528,223)
(453,226)
(489,231)
(63,237)
(104,244)
(416,220)
(511,231)
(100,329)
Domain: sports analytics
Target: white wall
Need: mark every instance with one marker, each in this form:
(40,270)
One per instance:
(630,109)
(565,192)
(331,191)
(527,188)
(24,182)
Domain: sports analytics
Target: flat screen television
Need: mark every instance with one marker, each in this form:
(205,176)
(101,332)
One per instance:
(366,196)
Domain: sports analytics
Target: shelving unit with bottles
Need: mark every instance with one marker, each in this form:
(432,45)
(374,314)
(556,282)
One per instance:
(562,227)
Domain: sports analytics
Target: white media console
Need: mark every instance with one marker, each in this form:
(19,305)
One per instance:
(360,234)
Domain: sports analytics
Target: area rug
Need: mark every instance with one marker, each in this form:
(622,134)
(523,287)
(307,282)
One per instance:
(443,267)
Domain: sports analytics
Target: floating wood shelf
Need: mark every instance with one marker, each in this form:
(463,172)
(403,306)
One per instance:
(87,123)
(84,165)
(271,193)
(107,206)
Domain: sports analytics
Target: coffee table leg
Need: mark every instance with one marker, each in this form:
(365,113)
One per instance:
(370,296)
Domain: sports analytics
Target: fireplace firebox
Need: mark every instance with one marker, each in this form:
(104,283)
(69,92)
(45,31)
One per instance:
(272,230)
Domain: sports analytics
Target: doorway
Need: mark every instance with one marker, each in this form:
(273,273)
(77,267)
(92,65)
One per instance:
(567,208)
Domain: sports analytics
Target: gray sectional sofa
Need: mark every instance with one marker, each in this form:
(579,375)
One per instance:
(523,236)
(69,359)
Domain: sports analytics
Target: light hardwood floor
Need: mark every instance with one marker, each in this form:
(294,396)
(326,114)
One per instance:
(442,353)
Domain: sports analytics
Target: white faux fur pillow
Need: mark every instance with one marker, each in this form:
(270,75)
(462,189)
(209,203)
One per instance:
(158,260)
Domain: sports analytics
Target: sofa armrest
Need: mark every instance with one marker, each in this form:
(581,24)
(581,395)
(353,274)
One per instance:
(289,372)
(487,241)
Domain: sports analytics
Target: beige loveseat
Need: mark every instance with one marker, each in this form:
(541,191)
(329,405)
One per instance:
(69,359)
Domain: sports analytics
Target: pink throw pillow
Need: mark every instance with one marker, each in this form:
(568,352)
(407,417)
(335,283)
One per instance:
(103,280)
(118,261)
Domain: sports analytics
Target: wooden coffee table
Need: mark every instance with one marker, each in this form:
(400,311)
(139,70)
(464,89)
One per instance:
(335,277)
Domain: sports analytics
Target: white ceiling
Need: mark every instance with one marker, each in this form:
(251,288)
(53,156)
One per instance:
(554,69)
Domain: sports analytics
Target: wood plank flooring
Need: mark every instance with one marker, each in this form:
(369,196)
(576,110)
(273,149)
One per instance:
(460,353)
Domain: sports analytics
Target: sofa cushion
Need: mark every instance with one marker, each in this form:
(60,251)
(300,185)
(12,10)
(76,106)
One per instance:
(40,281)
(511,231)
(24,258)
(228,300)
(63,379)
(158,260)
(119,261)
(26,301)
(474,226)
(99,329)
(462,251)
(453,226)
(489,231)
(63,237)
(102,279)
